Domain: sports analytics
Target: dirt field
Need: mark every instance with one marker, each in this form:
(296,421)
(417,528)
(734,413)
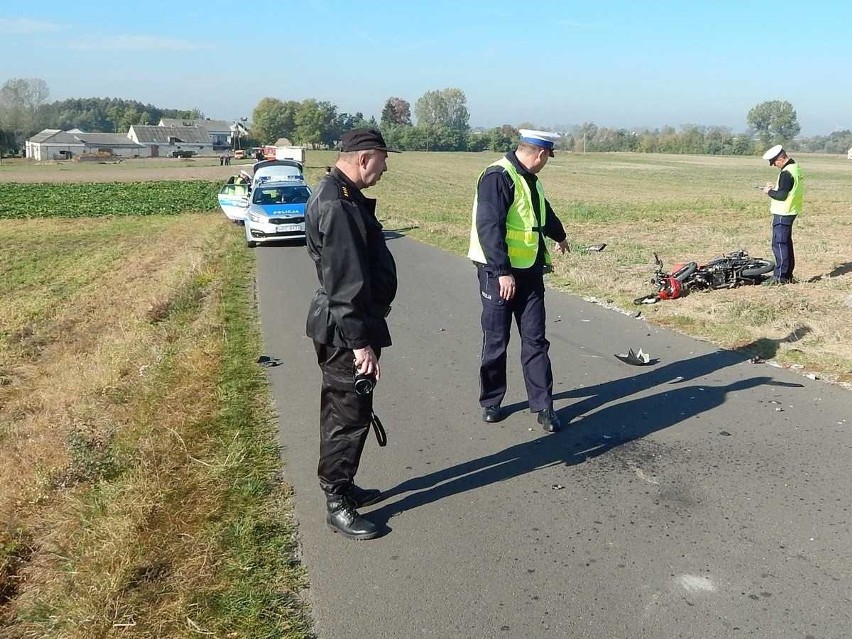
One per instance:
(142,170)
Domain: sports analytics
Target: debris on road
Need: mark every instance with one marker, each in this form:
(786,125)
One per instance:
(268,362)
(636,359)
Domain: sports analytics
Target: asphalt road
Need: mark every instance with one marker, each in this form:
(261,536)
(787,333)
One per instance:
(699,496)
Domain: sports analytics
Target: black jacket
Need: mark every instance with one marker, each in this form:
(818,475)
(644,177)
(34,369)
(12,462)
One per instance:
(356,271)
(495,194)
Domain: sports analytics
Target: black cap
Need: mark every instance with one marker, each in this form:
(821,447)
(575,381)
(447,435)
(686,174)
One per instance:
(364,140)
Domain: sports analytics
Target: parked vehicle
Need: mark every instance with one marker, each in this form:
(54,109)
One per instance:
(272,152)
(181,153)
(234,198)
(727,271)
(240,154)
(276,170)
(276,212)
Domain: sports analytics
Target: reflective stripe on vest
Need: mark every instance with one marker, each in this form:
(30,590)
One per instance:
(793,204)
(522,222)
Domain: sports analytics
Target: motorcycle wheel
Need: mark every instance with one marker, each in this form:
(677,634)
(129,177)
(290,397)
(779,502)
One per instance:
(757,267)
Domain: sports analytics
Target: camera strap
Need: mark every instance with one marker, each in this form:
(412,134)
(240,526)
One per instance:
(379,429)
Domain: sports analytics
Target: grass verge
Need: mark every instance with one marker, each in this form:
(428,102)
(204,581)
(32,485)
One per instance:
(138,479)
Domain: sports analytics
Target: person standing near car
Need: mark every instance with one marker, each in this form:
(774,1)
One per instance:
(511,219)
(346,319)
(787,199)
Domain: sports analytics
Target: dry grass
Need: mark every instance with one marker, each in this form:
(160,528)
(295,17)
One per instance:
(683,207)
(118,458)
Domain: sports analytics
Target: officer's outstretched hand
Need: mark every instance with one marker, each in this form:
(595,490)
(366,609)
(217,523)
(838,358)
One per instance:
(564,247)
(507,286)
(366,362)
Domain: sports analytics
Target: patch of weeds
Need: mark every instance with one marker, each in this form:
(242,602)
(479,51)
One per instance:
(15,551)
(752,313)
(187,300)
(92,459)
(147,574)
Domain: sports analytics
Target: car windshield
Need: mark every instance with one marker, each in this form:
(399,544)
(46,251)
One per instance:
(281,195)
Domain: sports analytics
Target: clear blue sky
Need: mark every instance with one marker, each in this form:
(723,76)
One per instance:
(550,62)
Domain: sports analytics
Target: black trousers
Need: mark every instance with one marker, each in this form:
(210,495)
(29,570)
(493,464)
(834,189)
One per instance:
(344,419)
(782,246)
(527,307)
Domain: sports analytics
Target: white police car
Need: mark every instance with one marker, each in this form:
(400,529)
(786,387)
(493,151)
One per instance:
(276,212)
(276,171)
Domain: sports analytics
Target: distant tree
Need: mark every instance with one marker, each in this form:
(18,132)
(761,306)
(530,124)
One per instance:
(273,118)
(105,115)
(20,99)
(504,138)
(478,141)
(458,117)
(315,123)
(396,112)
(430,109)
(774,122)
(446,108)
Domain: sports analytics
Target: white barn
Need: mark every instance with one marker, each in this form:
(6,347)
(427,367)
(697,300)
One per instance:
(55,144)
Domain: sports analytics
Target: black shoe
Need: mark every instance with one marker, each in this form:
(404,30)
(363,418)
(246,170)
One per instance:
(364,496)
(343,518)
(491,414)
(775,281)
(549,420)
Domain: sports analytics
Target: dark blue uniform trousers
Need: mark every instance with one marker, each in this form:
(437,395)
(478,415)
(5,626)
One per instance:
(782,246)
(527,307)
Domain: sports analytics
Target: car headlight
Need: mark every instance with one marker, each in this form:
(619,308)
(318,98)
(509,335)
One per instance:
(254,217)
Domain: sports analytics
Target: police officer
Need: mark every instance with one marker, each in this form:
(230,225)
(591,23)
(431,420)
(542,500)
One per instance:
(511,218)
(346,320)
(787,199)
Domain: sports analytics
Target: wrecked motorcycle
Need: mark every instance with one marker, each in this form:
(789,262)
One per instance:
(726,271)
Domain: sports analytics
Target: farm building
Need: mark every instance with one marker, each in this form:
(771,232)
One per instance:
(166,141)
(54,144)
(220,132)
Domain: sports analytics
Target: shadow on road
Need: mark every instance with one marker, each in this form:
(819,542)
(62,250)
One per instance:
(606,424)
(395,234)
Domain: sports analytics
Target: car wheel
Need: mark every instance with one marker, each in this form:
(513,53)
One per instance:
(251,244)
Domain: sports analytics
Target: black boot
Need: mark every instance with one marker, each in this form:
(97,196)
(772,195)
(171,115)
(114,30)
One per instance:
(491,414)
(343,518)
(364,496)
(549,420)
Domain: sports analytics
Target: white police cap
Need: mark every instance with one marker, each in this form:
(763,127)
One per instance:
(545,139)
(773,153)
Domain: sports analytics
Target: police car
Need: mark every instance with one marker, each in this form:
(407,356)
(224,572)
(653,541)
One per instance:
(276,212)
(276,170)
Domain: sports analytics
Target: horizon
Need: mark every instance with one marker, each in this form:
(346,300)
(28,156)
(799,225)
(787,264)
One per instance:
(616,64)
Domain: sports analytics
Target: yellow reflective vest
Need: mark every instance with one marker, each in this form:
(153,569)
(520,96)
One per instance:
(795,198)
(523,223)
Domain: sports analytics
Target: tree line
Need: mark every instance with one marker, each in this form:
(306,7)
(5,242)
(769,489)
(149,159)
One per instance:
(438,121)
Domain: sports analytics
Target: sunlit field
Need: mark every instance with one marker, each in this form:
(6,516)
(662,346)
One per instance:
(137,478)
(684,208)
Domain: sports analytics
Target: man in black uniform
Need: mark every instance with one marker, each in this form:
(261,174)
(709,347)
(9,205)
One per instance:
(511,218)
(346,320)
